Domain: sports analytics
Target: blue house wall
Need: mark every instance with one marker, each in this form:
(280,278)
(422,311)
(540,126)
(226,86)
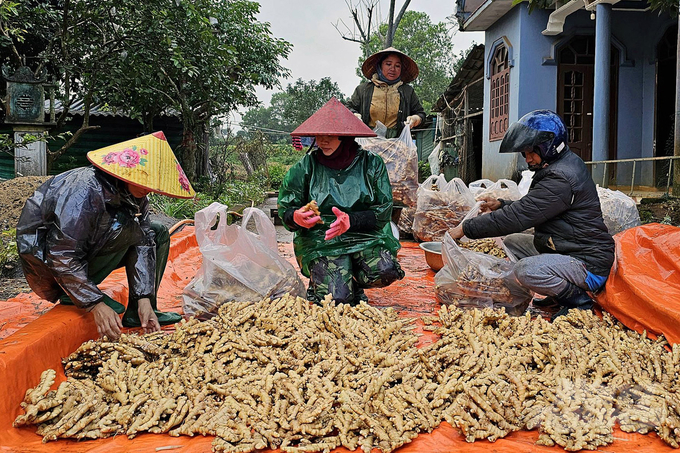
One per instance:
(533,80)
(495,165)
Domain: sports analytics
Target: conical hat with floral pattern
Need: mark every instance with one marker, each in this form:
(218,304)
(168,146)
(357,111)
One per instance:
(146,162)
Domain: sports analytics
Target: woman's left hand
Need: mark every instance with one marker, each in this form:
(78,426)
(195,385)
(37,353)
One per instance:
(340,226)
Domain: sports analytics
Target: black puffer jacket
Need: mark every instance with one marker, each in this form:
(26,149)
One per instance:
(78,215)
(563,207)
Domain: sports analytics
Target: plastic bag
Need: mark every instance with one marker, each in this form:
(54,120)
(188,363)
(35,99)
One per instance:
(479,186)
(472,279)
(619,211)
(238,265)
(503,188)
(525,182)
(433,160)
(406,220)
(401,159)
(441,206)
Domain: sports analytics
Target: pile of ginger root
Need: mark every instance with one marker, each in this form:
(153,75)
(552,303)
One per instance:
(304,378)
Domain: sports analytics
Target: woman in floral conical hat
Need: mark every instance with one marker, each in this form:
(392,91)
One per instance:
(349,244)
(82,224)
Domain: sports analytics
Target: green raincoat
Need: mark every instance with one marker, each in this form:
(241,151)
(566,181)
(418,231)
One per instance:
(362,186)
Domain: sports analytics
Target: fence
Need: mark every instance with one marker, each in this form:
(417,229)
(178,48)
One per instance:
(605,183)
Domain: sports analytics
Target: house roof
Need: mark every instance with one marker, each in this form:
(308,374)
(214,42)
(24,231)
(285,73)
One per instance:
(77,108)
(471,70)
(483,15)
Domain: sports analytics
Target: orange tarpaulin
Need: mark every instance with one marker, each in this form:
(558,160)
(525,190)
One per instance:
(643,289)
(58,332)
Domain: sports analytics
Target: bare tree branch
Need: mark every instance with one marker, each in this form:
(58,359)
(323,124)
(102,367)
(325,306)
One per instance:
(363,22)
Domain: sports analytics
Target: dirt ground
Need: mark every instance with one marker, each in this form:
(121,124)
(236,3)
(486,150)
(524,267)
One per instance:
(660,210)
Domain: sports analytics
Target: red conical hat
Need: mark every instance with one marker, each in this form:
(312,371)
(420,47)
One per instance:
(333,119)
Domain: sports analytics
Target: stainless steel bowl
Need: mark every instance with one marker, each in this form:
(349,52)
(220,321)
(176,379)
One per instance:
(433,254)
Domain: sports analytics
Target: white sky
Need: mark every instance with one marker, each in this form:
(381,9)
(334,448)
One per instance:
(320,51)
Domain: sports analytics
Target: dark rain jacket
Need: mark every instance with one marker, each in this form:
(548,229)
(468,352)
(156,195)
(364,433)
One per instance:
(409,104)
(563,207)
(76,216)
(363,186)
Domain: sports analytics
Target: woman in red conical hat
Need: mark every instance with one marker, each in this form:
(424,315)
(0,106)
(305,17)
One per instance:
(348,245)
(386,96)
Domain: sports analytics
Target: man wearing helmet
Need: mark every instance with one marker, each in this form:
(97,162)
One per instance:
(571,251)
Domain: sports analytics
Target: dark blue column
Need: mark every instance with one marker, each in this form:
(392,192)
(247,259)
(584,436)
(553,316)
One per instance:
(602,83)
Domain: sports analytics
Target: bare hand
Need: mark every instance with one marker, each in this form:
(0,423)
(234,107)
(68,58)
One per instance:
(489,204)
(457,231)
(107,320)
(147,317)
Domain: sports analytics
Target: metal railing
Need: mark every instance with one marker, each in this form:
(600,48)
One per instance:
(594,164)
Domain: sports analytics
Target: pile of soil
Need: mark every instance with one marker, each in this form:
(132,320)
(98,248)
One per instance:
(13,196)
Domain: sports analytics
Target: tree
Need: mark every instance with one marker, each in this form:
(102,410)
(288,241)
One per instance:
(431,48)
(366,26)
(201,58)
(267,120)
(305,98)
(288,109)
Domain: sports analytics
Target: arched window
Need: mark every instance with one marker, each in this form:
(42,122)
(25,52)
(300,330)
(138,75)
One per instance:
(499,98)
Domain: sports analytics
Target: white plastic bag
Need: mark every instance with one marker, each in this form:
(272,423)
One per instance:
(433,160)
(525,182)
(441,205)
(479,186)
(401,159)
(619,211)
(238,265)
(472,279)
(503,188)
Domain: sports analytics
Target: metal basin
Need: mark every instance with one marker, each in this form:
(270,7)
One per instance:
(433,254)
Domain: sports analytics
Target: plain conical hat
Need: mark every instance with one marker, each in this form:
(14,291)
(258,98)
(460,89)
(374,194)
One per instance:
(333,119)
(146,162)
(409,68)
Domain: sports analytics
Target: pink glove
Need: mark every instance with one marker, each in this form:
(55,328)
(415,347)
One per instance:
(306,219)
(341,224)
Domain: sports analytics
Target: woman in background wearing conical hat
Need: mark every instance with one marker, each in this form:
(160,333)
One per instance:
(386,96)
(348,245)
(82,224)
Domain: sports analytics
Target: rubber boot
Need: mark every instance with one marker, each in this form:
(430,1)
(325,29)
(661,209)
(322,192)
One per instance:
(131,317)
(115,306)
(545,302)
(359,296)
(572,297)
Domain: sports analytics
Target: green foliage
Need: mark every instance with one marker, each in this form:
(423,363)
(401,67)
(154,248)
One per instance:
(8,247)
(424,170)
(276,174)
(288,109)
(284,154)
(669,6)
(430,46)
(202,58)
(235,194)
